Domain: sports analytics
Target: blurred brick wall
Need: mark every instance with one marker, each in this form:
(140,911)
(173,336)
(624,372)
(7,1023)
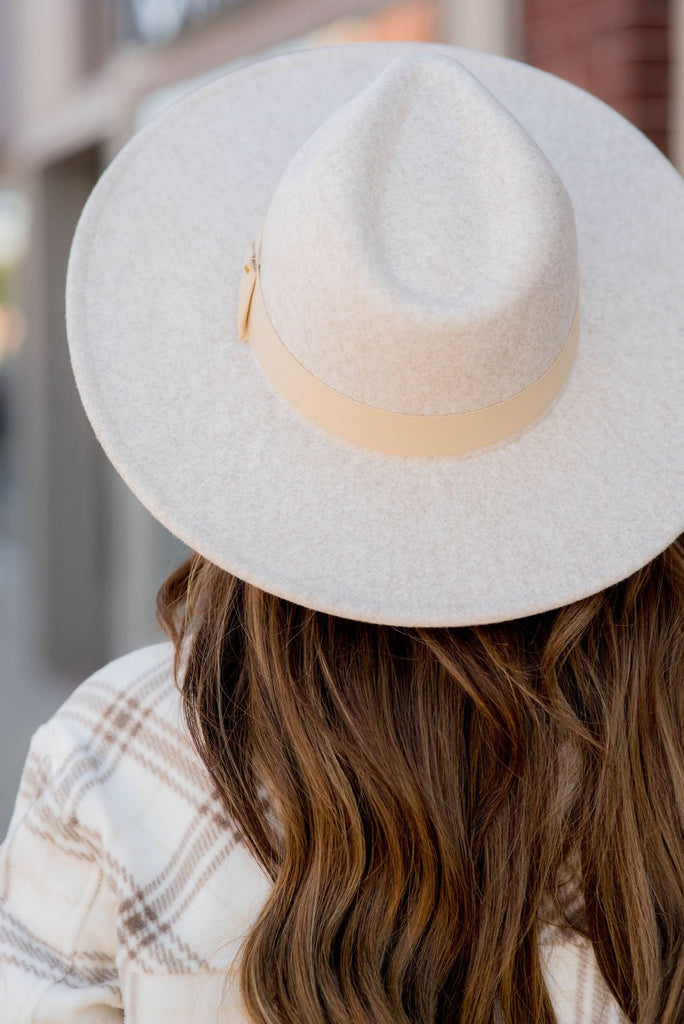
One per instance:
(617,49)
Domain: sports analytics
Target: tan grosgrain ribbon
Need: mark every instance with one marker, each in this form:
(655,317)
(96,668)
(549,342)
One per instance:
(392,432)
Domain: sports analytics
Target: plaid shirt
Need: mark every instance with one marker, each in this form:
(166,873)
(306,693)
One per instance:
(124,895)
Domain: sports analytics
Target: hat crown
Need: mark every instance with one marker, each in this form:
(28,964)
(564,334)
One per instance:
(419,253)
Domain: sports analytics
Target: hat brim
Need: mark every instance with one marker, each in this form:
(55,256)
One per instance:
(583,499)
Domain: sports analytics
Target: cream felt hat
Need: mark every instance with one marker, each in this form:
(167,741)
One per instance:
(445,384)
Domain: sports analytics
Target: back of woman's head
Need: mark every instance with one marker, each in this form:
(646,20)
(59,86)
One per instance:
(433,803)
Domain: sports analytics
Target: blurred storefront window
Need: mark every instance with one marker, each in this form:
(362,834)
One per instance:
(159,21)
(406,20)
(14,231)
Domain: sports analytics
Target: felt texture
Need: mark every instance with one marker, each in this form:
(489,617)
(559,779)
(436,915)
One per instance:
(419,254)
(581,499)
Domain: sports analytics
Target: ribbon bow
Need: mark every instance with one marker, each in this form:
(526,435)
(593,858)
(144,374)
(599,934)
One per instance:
(246,290)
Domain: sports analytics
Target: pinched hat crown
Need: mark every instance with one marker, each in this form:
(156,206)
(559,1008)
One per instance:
(419,254)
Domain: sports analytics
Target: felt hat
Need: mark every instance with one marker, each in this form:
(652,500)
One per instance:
(394,331)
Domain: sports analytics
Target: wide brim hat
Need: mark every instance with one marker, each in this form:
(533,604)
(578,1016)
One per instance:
(581,498)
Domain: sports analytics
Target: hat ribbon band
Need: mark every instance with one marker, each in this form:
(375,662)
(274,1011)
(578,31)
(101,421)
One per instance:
(393,433)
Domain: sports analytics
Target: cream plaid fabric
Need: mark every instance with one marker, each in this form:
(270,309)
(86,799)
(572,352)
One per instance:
(123,892)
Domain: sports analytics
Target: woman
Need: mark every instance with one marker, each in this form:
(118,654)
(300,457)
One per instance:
(415,753)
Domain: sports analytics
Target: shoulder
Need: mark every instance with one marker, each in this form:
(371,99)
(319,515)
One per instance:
(121,876)
(114,777)
(133,685)
(119,751)
(127,717)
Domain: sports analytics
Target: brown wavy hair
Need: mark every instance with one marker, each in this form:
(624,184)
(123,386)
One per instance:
(436,797)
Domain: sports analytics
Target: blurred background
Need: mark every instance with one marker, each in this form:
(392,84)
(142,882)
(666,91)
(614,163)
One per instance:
(80,559)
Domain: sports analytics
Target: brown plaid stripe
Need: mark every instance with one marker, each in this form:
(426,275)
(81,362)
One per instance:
(117,817)
(81,970)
